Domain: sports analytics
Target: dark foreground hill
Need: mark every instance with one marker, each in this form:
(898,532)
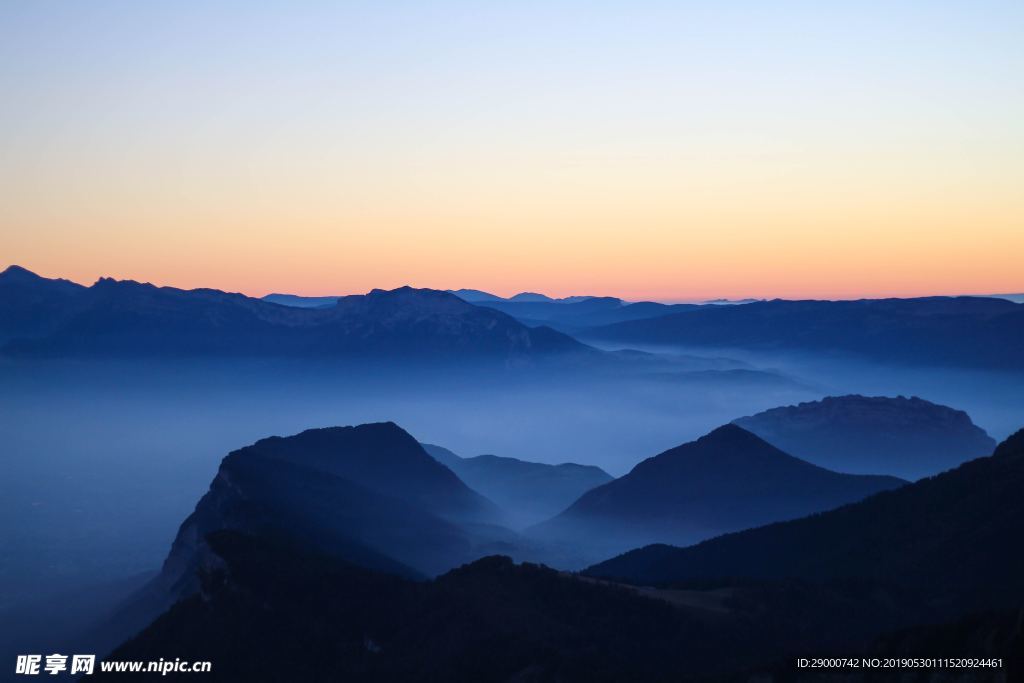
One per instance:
(955,331)
(113,318)
(727,480)
(954,539)
(904,437)
(272,610)
(528,492)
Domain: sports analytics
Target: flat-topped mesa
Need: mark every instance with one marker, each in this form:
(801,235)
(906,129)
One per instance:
(905,437)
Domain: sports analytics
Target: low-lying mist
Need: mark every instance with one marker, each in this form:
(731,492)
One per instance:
(103,460)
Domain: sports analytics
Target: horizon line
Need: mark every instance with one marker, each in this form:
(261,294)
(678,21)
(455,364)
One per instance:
(452,290)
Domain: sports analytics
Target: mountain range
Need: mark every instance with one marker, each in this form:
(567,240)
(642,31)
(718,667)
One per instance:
(42,317)
(943,331)
(54,318)
(724,481)
(529,492)
(905,437)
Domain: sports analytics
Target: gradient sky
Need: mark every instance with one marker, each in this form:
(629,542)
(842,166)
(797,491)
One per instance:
(666,150)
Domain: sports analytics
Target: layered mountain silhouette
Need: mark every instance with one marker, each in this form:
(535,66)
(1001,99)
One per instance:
(275,603)
(528,492)
(125,318)
(727,480)
(369,494)
(959,331)
(904,437)
(950,539)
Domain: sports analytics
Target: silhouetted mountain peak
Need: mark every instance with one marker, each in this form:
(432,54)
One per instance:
(721,449)
(474,295)
(15,272)
(729,479)
(380,456)
(530,296)
(729,434)
(17,275)
(368,493)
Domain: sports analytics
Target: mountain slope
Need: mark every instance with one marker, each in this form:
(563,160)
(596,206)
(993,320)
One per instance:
(952,537)
(727,480)
(958,331)
(369,494)
(527,491)
(124,318)
(904,437)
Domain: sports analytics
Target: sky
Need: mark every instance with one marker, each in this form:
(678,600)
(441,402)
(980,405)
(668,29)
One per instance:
(662,150)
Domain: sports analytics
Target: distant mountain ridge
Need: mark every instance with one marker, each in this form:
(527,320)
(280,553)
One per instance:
(529,492)
(301,301)
(581,313)
(955,331)
(905,437)
(126,318)
(724,481)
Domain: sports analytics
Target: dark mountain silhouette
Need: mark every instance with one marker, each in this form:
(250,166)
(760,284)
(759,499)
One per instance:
(904,437)
(529,492)
(369,494)
(33,305)
(952,538)
(272,610)
(125,318)
(959,331)
(727,480)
